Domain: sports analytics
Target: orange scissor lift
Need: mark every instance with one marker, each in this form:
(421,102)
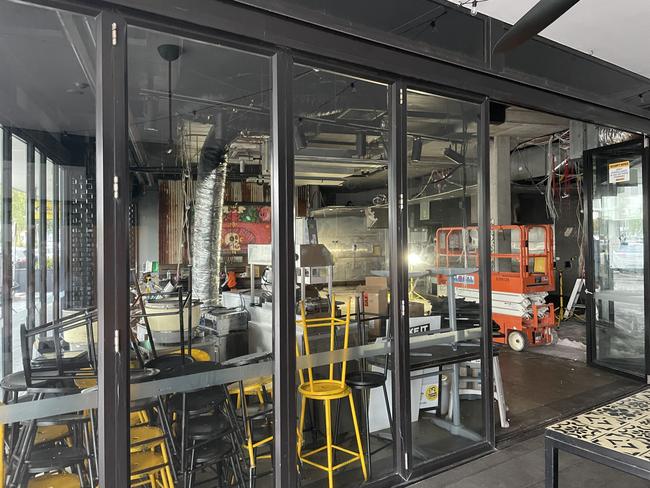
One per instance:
(522,275)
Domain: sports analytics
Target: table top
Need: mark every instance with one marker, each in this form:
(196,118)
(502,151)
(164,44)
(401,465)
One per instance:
(439,355)
(452,271)
(622,427)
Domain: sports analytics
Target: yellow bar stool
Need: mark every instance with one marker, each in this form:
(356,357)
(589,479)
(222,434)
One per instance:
(253,387)
(255,438)
(327,390)
(56,480)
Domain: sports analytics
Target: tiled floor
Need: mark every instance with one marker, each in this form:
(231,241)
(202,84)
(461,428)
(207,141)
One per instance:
(521,465)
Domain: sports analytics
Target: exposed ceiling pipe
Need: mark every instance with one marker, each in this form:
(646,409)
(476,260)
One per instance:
(538,18)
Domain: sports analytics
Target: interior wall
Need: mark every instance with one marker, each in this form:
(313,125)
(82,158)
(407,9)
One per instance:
(148,223)
(530,208)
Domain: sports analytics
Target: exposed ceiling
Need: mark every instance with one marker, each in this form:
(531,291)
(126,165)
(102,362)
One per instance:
(43,85)
(341,122)
(615,31)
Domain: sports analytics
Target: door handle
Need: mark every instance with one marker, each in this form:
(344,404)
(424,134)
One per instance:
(589,292)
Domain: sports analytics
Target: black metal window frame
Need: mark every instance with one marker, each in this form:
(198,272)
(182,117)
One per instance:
(228,23)
(589,160)
(34,167)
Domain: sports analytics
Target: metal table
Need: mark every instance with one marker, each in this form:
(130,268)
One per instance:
(455,427)
(615,435)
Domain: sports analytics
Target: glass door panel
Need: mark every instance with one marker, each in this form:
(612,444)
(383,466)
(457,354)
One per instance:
(617,275)
(443,268)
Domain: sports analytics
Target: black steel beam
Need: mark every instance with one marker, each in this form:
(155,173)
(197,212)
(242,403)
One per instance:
(7,266)
(261,28)
(284,271)
(243,24)
(42,239)
(485,273)
(112,251)
(398,239)
(31,234)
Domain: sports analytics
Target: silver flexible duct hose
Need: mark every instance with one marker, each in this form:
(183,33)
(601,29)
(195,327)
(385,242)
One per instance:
(208,217)
(608,136)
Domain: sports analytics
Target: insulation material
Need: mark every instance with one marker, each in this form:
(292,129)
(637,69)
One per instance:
(208,217)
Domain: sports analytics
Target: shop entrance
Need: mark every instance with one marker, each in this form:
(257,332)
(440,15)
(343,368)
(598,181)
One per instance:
(616,273)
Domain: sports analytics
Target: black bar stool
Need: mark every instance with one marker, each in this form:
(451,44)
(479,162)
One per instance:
(203,420)
(257,420)
(364,380)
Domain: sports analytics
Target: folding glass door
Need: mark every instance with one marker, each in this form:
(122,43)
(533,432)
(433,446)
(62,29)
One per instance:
(617,261)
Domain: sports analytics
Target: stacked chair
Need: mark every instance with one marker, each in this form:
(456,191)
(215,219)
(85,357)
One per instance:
(326,390)
(50,451)
(254,408)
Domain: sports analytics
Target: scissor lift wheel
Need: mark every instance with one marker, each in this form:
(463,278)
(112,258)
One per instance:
(517,341)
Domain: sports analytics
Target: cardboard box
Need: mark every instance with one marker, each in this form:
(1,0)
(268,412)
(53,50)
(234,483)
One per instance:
(416,309)
(374,300)
(375,329)
(377,282)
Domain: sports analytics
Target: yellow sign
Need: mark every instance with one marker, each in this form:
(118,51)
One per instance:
(619,172)
(431,393)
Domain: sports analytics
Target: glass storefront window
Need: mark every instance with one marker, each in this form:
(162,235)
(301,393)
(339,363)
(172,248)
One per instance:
(201,248)
(47,112)
(444,326)
(342,145)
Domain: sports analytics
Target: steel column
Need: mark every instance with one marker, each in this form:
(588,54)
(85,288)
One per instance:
(485,273)
(645,181)
(112,251)
(56,241)
(7,266)
(42,240)
(398,237)
(284,271)
(31,235)
(590,315)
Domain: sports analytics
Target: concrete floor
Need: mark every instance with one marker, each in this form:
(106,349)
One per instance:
(521,465)
(547,383)
(543,385)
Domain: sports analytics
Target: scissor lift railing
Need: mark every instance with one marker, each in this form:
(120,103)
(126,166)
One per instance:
(522,258)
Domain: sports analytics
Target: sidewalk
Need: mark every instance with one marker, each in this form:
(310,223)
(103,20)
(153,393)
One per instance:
(521,465)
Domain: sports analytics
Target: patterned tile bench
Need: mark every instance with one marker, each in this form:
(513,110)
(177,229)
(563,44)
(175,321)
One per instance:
(616,435)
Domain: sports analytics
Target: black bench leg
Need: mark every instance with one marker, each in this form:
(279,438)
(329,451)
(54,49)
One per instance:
(551,455)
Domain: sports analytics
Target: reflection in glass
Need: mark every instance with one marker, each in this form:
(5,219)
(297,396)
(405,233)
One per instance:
(618,262)
(199,133)
(47,109)
(443,240)
(341,238)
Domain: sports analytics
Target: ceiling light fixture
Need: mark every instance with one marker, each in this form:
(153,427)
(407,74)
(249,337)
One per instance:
(170,53)
(473,5)
(454,156)
(416,151)
(362,145)
(299,136)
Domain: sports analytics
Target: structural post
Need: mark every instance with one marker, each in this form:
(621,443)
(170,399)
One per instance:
(485,272)
(31,234)
(7,266)
(645,182)
(500,200)
(56,241)
(42,238)
(398,237)
(285,456)
(112,252)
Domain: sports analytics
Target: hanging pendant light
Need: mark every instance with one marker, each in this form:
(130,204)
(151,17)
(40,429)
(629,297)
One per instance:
(170,53)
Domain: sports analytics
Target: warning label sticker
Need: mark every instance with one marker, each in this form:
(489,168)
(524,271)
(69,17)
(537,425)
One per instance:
(619,172)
